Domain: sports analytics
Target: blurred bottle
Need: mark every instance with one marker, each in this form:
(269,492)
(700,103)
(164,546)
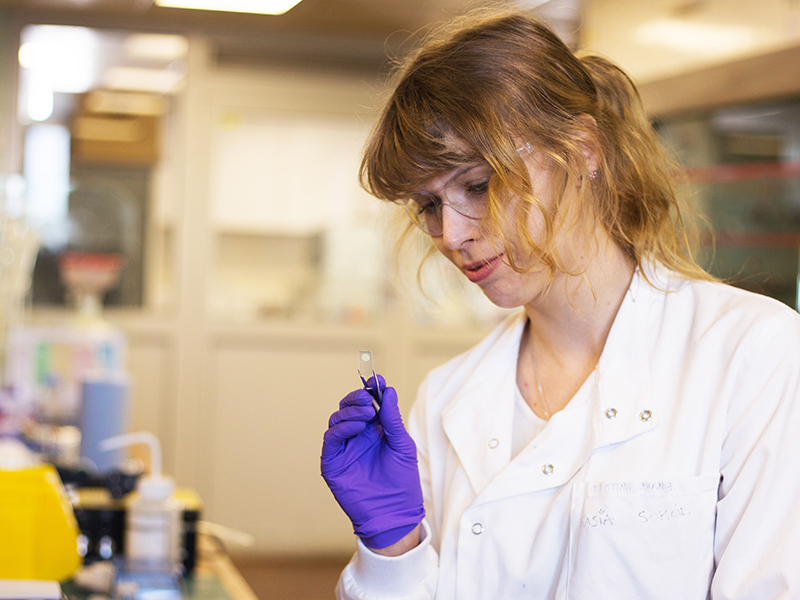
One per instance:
(153,524)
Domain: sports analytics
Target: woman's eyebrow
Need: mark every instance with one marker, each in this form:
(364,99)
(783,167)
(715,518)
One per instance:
(463,169)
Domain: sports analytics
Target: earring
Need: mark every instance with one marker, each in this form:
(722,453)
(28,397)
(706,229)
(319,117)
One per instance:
(594,174)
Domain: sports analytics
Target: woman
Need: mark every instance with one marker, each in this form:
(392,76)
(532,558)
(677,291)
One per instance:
(632,432)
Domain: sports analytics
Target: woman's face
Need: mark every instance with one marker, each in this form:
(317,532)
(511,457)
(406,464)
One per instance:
(482,259)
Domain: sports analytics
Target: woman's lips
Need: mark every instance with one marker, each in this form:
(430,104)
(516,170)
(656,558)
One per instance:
(478,271)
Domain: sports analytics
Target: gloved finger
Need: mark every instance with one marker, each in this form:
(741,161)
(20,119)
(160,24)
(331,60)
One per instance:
(392,422)
(352,413)
(381,382)
(335,436)
(359,397)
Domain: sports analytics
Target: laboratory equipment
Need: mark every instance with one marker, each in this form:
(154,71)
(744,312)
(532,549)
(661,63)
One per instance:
(17,589)
(87,277)
(365,366)
(146,584)
(102,518)
(103,415)
(18,248)
(47,369)
(153,520)
(46,366)
(38,530)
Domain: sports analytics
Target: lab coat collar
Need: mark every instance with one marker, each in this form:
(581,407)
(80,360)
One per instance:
(478,420)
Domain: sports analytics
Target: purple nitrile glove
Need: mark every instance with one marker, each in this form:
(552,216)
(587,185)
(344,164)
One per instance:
(370,464)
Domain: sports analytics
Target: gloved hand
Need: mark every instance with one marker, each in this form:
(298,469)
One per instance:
(370,464)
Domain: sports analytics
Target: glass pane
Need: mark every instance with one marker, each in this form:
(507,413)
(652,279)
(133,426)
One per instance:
(744,173)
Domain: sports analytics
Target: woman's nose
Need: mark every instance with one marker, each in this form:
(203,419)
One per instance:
(456,228)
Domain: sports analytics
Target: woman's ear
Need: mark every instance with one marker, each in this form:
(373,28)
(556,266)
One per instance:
(587,141)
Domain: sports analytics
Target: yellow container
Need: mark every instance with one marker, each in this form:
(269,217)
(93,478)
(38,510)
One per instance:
(38,531)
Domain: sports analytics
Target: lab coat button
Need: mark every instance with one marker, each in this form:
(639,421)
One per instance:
(611,413)
(493,443)
(548,469)
(645,415)
(477,529)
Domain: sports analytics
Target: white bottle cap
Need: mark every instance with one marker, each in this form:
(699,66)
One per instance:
(155,489)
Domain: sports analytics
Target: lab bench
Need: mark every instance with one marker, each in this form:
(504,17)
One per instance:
(214,578)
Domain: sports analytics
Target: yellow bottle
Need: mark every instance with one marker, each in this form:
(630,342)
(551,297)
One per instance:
(38,530)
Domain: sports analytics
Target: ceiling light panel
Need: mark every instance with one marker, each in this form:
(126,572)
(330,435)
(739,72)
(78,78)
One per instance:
(156,81)
(261,7)
(155,46)
(706,39)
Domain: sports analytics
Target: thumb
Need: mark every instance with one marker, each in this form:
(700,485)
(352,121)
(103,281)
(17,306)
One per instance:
(391,420)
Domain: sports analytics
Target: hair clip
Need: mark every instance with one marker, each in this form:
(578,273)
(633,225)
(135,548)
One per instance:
(526,148)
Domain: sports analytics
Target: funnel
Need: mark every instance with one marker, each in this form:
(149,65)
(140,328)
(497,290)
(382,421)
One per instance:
(88,276)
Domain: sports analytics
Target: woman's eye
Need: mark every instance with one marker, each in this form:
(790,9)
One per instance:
(426,206)
(477,188)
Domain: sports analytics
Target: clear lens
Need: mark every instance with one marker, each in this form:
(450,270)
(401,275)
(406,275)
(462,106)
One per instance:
(466,193)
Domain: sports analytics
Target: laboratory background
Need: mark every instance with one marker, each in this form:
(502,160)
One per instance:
(185,251)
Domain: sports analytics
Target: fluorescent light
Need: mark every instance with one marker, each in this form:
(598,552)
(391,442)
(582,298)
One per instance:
(125,103)
(156,46)
(46,174)
(62,56)
(260,7)
(32,56)
(695,38)
(40,100)
(158,81)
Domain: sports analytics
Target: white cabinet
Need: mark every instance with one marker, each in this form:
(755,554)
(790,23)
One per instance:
(284,172)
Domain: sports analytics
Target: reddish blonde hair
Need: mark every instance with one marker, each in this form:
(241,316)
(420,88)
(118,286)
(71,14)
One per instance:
(477,88)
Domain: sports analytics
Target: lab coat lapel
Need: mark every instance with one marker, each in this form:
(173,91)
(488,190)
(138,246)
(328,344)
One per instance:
(609,408)
(483,409)
(622,406)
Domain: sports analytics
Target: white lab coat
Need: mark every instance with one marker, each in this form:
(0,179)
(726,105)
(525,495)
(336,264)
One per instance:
(674,472)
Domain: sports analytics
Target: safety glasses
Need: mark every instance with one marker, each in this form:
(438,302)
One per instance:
(466,192)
